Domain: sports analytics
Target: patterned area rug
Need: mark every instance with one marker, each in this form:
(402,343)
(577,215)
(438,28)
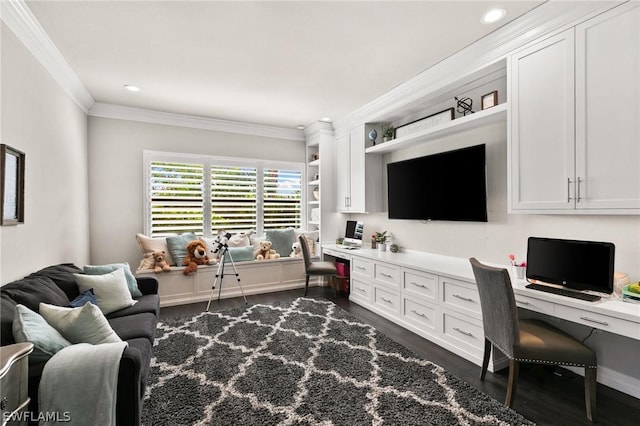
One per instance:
(304,362)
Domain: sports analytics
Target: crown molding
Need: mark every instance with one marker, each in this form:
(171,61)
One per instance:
(18,17)
(120,112)
(485,54)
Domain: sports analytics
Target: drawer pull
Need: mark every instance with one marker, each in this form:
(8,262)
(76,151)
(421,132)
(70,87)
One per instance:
(523,303)
(420,314)
(386,275)
(418,285)
(385,300)
(466,299)
(593,320)
(361,289)
(362,268)
(466,333)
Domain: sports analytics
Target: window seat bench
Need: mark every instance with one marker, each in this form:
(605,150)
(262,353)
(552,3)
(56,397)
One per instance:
(256,277)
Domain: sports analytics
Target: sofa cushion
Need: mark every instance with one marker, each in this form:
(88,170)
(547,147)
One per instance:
(62,275)
(32,290)
(86,324)
(178,246)
(132,284)
(147,303)
(7,313)
(29,326)
(240,254)
(110,289)
(145,348)
(148,245)
(135,326)
(281,240)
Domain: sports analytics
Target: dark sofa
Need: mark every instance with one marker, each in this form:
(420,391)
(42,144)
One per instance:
(136,325)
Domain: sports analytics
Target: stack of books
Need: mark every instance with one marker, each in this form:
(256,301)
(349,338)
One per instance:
(630,296)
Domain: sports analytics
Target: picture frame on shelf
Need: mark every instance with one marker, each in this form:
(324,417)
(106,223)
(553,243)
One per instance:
(489,100)
(425,122)
(11,185)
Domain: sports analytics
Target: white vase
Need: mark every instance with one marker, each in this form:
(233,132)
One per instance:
(382,247)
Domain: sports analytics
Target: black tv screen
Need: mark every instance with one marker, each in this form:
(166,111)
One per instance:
(581,265)
(445,186)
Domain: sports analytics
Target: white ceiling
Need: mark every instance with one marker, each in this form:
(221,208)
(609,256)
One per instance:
(278,63)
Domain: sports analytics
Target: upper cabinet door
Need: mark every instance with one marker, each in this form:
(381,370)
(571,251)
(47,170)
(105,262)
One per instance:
(608,110)
(542,125)
(343,172)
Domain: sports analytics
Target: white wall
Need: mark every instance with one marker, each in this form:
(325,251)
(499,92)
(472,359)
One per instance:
(40,119)
(116,174)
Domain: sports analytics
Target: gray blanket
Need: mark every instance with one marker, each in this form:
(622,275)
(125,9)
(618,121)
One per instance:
(80,383)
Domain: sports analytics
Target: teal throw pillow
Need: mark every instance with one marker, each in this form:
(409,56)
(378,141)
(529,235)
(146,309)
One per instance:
(28,326)
(240,254)
(177,245)
(105,269)
(281,240)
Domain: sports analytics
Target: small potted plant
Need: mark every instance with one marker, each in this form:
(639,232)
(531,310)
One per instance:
(387,132)
(519,268)
(381,240)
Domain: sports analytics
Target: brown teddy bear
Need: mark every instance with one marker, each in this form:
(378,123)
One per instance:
(196,255)
(265,251)
(159,262)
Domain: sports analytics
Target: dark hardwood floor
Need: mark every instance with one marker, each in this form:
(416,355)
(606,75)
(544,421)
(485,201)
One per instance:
(547,396)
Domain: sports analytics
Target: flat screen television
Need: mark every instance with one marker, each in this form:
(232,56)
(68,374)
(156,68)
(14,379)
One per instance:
(579,265)
(446,186)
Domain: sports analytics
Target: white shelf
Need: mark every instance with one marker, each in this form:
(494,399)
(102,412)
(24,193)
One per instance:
(314,162)
(481,118)
(314,203)
(314,223)
(314,182)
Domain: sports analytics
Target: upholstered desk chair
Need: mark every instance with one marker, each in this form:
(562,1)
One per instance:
(529,341)
(315,268)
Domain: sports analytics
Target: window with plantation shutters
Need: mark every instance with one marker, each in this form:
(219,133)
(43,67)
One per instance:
(202,194)
(176,198)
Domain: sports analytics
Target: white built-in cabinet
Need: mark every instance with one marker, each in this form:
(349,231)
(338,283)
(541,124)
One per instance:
(358,176)
(574,119)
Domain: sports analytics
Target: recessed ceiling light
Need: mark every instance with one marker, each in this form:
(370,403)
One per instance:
(325,119)
(494,15)
(131,88)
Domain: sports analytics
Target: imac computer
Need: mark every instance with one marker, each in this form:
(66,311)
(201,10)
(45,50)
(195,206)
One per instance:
(353,234)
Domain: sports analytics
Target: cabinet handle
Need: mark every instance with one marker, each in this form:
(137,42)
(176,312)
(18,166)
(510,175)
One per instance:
(362,268)
(578,184)
(593,320)
(420,314)
(385,300)
(523,303)
(466,333)
(466,299)
(569,190)
(418,285)
(386,275)
(362,290)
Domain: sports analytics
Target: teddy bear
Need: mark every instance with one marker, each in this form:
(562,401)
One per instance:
(265,251)
(296,250)
(159,262)
(196,255)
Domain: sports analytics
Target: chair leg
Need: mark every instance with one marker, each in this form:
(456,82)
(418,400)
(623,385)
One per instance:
(306,285)
(485,358)
(334,284)
(514,367)
(590,384)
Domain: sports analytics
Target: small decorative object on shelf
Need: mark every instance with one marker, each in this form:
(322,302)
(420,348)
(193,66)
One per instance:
(372,136)
(490,100)
(464,105)
(315,156)
(387,132)
(381,240)
(316,193)
(374,243)
(393,248)
(424,123)
(518,268)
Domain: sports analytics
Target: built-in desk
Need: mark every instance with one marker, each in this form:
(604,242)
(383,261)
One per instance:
(436,297)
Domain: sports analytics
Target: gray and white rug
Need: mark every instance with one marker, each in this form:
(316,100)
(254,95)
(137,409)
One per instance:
(304,362)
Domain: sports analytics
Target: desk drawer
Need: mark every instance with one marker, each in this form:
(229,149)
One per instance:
(360,290)
(386,300)
(466,335)
(461,296)
(422,315)
(603,322)
(387,274)
(533,304)
(422,285)
(361,267)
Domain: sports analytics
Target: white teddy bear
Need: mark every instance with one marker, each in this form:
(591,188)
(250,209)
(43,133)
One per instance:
(296,250)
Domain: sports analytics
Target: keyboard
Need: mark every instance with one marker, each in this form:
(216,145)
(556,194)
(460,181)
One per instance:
(564,292)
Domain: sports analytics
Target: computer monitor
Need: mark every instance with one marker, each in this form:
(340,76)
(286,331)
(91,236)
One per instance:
(353,233)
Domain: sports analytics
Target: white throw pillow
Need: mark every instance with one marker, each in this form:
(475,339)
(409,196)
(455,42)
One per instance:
(86,324)
(111,290)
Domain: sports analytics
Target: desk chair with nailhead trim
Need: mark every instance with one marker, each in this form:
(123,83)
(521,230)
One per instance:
(316,268)
(530,341)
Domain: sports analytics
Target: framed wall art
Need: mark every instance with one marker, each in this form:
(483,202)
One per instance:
(12,185)
(424,123)
(490,100)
